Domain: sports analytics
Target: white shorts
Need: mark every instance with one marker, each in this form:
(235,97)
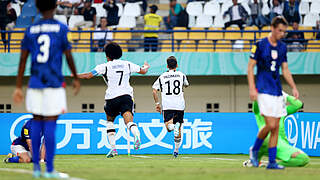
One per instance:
(47,101)
(272,106)
(18,149)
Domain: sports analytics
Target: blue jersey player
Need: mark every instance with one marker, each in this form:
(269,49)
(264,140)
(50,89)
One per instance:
(46,40)
(269,54)
(21,147)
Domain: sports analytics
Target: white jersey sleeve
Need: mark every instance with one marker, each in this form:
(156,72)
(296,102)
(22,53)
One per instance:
(185,81)
(99,70)
(133,67)
(156,84)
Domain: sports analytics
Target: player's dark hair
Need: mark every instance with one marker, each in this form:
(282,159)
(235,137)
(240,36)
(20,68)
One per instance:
(172,62)
(46,5)
(113,50)
(279,20)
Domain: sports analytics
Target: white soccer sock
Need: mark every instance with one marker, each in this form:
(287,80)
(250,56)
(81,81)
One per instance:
(111,131)
(171,127)
(177,143)
(133,128)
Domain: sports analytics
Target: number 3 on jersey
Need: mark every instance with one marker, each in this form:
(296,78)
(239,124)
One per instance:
(44,43)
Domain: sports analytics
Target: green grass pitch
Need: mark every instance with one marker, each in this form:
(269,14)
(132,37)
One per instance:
(163,167)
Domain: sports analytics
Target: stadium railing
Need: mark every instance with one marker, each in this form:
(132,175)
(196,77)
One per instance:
(172,40)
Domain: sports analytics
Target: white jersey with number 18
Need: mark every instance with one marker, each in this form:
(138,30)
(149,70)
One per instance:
(116,74)
(171,85)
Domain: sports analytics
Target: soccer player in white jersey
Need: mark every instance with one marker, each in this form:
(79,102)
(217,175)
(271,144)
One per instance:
(171,85)
(119,94)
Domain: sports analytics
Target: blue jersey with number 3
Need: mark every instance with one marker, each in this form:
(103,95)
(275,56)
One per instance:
(269,59)
(46,40)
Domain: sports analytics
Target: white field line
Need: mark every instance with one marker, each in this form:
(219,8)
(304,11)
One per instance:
(226,159)
(145,157)
(24,171)
(187,157)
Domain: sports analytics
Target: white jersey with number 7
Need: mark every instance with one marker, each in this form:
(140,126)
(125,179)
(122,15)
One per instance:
(117,74)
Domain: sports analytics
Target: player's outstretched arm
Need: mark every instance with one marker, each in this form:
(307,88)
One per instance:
(156,100)
(250,75)
(70,61)
(17,94)
(288,77)
(144,68)
(294,105)
(88,75)
(29,144)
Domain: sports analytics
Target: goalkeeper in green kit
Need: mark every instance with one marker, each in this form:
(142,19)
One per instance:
(290,156)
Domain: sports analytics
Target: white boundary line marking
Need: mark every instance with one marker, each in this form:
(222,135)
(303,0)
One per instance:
(226,159)
(24,171)
(187,157)
(145,157)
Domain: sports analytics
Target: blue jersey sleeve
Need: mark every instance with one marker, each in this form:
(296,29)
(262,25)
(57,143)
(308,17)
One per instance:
(65,42)
(284,59)
(255,51)
(26,130)
(25,44)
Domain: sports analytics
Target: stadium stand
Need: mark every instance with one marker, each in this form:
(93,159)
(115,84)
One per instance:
(205,46)
(127,22)
(197,35)
(187,46)
(74,19)
(215,35)
(180,35)
(61,18)
(132,9)
(166,45)
(233,35)
(223,46)
(313,46)
(201,18)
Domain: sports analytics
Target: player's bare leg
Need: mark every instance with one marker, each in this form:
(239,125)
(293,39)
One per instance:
(177,142)
(111,132)
(128,119)
(24,157)
(169,125)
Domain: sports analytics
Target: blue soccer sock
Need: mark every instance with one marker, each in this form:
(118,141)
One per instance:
(14,159)
(257,144)
(36,129)
(272,154)
(50,143)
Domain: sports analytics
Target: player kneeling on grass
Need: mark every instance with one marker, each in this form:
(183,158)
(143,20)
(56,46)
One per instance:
(289,155)
(119,94)
(21,147)
(171,85)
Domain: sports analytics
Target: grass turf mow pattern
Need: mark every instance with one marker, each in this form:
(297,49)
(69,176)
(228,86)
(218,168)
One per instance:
(161,167)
